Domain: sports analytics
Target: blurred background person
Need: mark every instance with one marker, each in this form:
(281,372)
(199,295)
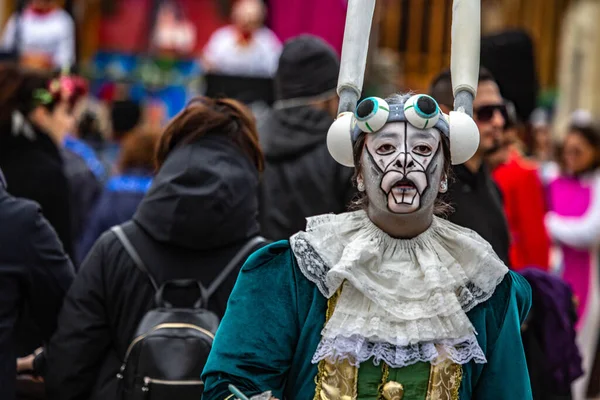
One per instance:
(199,213)
(43,35)
(84,189)
(246,47)
(475,198)
(122,193)
(300,178)
(541,149)
(93,124)
(33,122)
(523,198)
(125,118)
(173,35)
(35,274)
(84,186)
(542,146)
(88,138)
(573,222)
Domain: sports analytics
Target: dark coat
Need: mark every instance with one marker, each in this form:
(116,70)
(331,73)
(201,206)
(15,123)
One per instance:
(199,212)
(301,179)
(34,169)
(118,202)
(478,205)
(84,189)
(551,326)
(35,273)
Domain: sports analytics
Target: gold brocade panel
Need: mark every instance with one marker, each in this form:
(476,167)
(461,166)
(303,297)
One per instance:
(339,381)
(444,381)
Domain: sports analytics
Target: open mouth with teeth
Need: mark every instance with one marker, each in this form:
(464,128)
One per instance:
(404,192)
(404,185)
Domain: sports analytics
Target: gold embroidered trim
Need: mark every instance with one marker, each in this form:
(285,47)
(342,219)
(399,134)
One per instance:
(444,381)
(385,375)
(458,379)
(335,381)
(339,381)
(321,369)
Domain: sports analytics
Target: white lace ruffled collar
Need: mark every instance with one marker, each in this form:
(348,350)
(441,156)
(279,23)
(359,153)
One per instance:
(403,301)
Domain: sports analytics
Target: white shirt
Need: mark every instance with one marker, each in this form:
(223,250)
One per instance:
(259,58)
(52,34)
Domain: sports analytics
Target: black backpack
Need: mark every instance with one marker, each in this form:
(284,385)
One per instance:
(171,345)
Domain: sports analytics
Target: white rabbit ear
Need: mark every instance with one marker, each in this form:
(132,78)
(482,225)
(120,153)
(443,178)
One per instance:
(339,139)
(464,137)
(371,114)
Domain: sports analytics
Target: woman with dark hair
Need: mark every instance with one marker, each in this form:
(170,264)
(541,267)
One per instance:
(200,211)
(35,116)
(122,193)
(573,222)
(387,302)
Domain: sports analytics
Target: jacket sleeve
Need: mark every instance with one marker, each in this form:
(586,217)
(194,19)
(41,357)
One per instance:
(51,274)
(505,376)
(78,348)
(579,232)
(533,241)
(255,342)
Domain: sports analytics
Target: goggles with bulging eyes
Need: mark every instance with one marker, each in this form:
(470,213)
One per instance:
(421,111)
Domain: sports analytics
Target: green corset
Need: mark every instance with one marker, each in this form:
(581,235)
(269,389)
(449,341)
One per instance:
(421,381)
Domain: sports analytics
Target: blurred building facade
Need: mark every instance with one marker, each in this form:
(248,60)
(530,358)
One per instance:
(416,33)
(420,31)
(578,78)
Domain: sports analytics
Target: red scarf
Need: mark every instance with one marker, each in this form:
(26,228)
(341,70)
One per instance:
(244,37)
(41,11)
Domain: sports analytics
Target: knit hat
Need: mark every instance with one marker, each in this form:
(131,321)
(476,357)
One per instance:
(125,115)
(308,67)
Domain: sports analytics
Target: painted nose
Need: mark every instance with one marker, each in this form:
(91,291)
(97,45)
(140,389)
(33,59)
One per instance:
(405,161)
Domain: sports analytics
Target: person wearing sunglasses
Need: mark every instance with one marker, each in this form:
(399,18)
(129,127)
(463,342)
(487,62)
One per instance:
(523,195)
(475,198)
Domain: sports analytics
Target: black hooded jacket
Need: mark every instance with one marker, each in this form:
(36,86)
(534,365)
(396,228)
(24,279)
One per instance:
(301,179)
(199,212)
(33,168)
(35,274)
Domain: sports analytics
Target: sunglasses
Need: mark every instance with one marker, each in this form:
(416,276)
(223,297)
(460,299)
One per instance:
(486,113)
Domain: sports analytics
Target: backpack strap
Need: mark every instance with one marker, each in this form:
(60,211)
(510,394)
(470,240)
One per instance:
(235,261)
(122,236)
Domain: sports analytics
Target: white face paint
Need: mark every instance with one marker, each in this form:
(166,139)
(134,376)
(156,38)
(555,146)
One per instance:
(402,167)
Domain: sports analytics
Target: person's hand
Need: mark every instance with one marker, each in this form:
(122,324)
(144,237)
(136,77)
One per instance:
(25,364)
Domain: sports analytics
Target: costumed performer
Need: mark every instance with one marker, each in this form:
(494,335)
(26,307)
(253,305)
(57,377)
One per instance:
(388,301)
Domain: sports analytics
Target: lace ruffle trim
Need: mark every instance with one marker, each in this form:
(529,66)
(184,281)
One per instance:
(315,270)
(311,264)
(357,350)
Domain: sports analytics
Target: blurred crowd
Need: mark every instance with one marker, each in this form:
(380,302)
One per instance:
(192,193)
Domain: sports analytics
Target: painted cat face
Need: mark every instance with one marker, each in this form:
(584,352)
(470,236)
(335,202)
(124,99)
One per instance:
(402,167)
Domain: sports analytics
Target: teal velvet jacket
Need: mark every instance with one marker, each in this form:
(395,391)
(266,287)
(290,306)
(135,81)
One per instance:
(273,325)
